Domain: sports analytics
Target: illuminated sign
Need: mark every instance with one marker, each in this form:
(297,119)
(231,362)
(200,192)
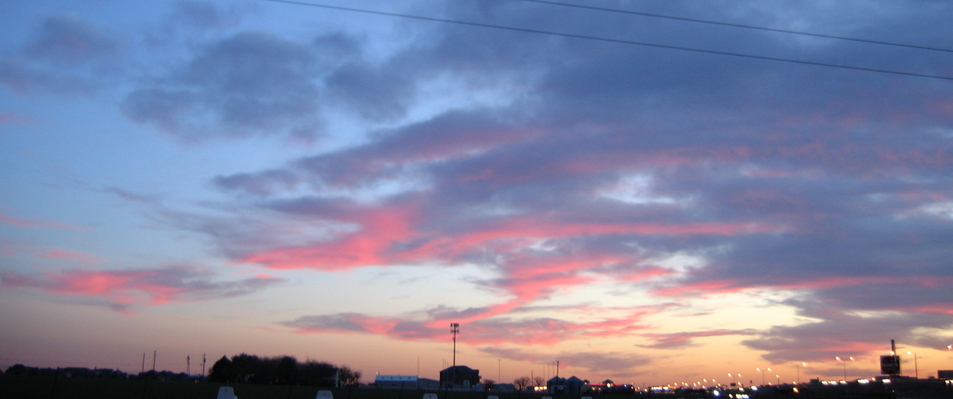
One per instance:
(890,364)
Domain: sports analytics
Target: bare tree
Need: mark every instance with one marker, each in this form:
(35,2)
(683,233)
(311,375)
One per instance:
(522,382)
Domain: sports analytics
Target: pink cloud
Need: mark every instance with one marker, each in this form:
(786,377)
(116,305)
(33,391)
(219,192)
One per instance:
(386,233)
(72,256)
(381,229)
(36,224)
(123,288)
(11,118)
(644,273)
(488,331)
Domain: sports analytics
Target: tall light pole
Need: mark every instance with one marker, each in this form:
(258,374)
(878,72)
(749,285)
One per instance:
(454,329)
(762,373)
(733,378)
(916,369)
(844,362)
(798,366)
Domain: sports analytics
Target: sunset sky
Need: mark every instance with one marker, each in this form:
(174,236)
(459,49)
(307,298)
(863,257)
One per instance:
(645,191)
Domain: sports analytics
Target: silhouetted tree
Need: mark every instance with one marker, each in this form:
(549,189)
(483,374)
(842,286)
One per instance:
(245,367)
(17,369)
(346,376)
(222,371)
(522,383)
(287,370)
(538,381)
(280,370)
(488,383)
(317,373)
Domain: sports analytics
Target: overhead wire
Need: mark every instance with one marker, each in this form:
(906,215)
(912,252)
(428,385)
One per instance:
(743,26)
(611,40)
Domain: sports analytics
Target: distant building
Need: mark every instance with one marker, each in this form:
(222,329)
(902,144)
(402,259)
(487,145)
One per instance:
(459,376)
(396,381)
(572,385)
(428,383)
(504,388)
(405,382)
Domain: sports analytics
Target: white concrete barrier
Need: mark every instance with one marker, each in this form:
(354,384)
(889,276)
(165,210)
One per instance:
(430,396)
(226,393)
(324,395)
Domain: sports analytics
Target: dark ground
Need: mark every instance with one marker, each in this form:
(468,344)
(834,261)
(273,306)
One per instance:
(45,387)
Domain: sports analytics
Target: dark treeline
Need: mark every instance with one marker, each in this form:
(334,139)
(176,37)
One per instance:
(243,368)
(19,370)
(251,369)
(82,373)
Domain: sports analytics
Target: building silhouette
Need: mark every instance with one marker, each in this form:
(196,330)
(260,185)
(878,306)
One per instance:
(459,376)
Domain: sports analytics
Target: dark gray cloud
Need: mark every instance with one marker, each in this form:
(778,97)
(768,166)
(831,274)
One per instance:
(682,340)
(66,54)
(68,40)
(601,158)
(839,331)
(249,84)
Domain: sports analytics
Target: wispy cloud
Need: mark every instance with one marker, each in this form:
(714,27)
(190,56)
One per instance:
(485,326)
(126,288)
(685,339)
(36,223)
(74,256)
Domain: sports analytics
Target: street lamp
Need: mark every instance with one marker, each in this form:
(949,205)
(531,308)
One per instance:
(733,378)
(798,366)
(762,374)
(916,369)
(844,362)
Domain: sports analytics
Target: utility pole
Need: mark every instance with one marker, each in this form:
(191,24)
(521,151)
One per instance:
(454,329)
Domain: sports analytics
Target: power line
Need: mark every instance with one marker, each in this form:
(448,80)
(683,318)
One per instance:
(610,40)
(735,25)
